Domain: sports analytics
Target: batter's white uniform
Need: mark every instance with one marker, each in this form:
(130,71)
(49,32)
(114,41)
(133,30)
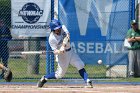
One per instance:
(66,58)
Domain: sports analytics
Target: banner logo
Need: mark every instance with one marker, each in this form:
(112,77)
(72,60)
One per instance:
(100,11)
(30,13)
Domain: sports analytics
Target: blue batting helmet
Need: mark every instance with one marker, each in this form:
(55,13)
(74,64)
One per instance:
(55,24)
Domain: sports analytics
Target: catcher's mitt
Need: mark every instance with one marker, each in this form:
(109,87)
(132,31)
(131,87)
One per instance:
(8,75)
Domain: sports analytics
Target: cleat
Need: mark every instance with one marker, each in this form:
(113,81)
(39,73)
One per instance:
(41,82)
(89,85)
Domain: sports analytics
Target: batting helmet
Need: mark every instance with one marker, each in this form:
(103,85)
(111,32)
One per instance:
(55,24)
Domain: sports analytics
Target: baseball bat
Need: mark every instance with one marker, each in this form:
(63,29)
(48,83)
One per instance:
(32,52)
(35,52)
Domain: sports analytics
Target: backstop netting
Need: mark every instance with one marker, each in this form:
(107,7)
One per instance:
(98,29)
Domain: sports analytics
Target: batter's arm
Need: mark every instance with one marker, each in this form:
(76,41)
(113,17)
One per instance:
(67,37)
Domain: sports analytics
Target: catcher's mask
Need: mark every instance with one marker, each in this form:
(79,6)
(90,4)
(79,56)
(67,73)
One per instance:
(55,24)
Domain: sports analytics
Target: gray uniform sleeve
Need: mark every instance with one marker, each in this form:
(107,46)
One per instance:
(53,43)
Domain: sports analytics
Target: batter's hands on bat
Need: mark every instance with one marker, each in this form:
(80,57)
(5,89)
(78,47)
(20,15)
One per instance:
(57,52)
(66,39)
(62,48)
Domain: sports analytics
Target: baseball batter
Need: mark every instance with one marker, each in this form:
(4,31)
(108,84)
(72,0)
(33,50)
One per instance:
(59,41)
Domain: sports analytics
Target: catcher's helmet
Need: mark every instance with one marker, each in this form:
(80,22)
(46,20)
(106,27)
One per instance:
(55,24)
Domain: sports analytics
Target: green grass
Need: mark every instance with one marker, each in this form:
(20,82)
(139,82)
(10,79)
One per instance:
(19,67)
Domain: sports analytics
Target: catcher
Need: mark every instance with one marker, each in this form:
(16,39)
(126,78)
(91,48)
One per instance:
(59,41)
(7,73)
(5,36)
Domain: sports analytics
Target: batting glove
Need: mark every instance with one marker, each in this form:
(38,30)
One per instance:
(57,52)
(62,48)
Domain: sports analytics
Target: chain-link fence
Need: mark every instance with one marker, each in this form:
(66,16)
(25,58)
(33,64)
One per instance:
(97,32)
(25,66)
(33,66)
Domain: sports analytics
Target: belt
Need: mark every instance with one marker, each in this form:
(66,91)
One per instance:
(68,49)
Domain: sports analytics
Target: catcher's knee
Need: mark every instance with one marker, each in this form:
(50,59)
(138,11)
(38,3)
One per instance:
(8,75)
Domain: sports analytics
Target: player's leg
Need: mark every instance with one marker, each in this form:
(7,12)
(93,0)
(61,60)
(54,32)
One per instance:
(131,57)
(5,66)
(78,63)
(84,75)
(138,63)
(59,73)
(4,57)
(6,73)
(43,79)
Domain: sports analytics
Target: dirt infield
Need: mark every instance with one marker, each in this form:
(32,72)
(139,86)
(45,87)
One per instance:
(65,88)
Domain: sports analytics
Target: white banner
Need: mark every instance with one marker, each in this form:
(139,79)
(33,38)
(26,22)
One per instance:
(30,18)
